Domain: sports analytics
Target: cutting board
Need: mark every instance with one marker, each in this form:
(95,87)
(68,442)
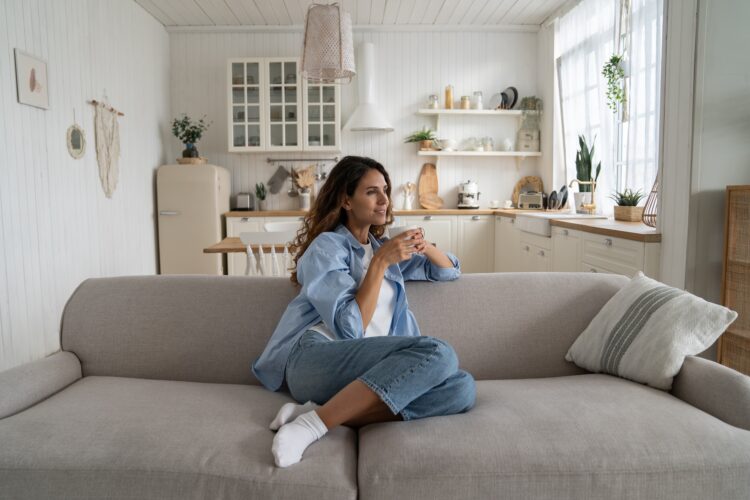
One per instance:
(430,201)
(428,185)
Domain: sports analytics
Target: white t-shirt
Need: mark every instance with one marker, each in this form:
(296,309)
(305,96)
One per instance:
(380,324)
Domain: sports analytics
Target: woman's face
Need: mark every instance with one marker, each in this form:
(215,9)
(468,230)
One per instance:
(370,200)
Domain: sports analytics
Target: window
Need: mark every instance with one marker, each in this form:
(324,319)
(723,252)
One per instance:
(625,142)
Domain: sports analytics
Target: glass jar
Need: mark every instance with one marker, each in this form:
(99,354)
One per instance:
(432,102)
(449,97)
(487,144)
(477,104)
(465,102)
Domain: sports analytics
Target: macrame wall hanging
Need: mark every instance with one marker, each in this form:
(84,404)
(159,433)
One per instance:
(107,134)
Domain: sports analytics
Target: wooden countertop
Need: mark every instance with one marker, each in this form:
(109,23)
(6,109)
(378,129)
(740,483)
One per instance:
(636,231)
(442,211)
(233,244)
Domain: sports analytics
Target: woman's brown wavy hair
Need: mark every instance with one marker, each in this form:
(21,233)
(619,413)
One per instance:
(327,211)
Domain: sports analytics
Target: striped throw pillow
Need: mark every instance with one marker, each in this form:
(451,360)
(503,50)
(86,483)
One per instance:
(645,331)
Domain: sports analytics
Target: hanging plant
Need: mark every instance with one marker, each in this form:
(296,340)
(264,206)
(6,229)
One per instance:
(615,76)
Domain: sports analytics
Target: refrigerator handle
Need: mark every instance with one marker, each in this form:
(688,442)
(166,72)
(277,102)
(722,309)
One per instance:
(169,212)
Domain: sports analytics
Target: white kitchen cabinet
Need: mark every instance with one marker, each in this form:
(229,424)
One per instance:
(440,230)
(476,243)
(322,116)
(617,255)
(283,124)
(507,243)
(535,253)
(271,108)
(565,250)
(246,97)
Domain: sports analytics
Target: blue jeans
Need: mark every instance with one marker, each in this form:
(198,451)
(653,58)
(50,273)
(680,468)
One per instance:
(416,377)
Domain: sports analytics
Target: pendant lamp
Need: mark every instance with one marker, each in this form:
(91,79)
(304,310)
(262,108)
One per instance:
(328,47)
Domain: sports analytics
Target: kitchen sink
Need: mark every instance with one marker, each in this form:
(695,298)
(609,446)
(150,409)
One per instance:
(538,223)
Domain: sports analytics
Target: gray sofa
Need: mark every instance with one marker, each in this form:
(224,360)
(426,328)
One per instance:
(152,397)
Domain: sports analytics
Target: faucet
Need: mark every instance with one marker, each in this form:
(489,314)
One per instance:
(587,207)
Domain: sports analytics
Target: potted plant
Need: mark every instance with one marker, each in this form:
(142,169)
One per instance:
(614,72)
(586,183)
(260,195)
(626,208)
(189,132)
(424,137)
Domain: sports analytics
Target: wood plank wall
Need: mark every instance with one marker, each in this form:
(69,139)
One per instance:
(56,226)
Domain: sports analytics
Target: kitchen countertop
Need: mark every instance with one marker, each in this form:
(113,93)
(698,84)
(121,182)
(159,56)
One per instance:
(442,211)
(636,231)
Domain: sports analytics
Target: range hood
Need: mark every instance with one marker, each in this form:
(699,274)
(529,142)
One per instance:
(367,116)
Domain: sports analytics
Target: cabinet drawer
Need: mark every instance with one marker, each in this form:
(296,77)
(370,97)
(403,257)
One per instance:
(536,240)
(611,268)
(612,253)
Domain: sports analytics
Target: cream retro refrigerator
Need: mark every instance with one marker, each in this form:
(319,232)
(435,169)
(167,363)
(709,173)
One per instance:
(191,200)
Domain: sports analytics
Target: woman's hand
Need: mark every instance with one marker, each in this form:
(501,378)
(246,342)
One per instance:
(400,247)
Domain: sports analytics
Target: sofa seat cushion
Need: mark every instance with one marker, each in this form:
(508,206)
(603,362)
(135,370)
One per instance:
(111,437)
(573,437)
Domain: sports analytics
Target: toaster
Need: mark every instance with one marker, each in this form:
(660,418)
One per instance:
(531,200)
(242,202)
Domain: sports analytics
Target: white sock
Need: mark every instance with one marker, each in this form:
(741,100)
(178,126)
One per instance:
(290,411)
(294,438)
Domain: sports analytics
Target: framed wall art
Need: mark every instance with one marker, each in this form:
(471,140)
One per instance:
(31,80)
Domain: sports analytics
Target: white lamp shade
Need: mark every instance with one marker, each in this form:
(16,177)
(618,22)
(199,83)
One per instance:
(328,50)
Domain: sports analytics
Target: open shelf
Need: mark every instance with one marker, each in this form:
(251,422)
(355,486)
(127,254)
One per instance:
(521,154)
(485,112)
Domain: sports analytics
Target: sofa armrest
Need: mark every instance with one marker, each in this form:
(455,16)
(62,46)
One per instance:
(24,386)
(715,389)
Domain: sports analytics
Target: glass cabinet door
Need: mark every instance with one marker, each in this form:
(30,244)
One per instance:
(245,105)
(283,116)
(322,117)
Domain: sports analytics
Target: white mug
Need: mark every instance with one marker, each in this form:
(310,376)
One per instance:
(495,204)
(508,204)
(396,230)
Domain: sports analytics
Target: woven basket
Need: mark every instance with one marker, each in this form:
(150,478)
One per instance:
(629,214)
(192,161)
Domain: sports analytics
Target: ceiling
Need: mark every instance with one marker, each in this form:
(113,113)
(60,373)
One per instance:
(280,13)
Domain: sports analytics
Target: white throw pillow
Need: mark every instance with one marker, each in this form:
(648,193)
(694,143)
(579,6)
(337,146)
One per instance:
(645,331)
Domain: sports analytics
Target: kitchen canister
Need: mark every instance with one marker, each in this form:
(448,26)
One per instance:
(477,103)
(449,97)
(304,200)
(432,102)
(465,102)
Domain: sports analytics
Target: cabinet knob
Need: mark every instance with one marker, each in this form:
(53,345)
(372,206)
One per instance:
(527,248)
(169,212)
(541,253)
(565,232)
(608,242)
(513,221)
(300,219)
(428,217)
(593,270)
(244,219)
(475,217)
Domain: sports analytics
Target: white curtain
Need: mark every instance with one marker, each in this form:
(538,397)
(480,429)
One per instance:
(585,39)
(640,134)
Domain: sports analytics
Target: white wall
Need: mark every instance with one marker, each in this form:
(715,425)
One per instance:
(409,67)
(56,226)
(721,152)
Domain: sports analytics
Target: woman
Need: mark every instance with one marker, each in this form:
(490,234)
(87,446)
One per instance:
(348,341)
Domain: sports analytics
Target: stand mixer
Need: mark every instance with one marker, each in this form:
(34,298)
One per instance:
(468,195)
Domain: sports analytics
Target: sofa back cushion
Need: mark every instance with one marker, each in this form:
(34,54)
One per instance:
(211,328)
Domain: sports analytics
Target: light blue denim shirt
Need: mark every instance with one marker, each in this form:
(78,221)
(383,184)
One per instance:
(330,271)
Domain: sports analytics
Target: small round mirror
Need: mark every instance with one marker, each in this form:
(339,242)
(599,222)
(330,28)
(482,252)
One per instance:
(76,141)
